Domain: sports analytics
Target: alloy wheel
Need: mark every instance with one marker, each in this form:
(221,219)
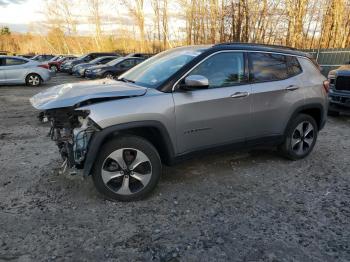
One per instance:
(126,171)
(34,80)
(54,69)
(303,138)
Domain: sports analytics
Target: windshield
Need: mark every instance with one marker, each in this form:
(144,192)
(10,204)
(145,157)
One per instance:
(115,61)
(96,60)
(154,71)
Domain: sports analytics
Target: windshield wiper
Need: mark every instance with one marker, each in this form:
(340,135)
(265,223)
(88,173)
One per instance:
(126,80)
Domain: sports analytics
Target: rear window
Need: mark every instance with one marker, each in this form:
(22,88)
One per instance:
(272,67)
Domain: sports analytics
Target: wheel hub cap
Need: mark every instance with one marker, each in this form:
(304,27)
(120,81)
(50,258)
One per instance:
(126,171)
(302,138)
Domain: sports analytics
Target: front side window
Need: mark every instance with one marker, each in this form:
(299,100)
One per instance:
(267,67)
(222,70)
(14,61)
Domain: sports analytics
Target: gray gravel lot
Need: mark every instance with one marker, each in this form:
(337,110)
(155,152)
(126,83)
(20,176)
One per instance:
(246,206)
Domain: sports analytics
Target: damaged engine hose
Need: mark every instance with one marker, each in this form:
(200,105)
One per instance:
(71,130)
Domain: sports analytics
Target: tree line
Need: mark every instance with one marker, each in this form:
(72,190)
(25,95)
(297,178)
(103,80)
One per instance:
(155,25)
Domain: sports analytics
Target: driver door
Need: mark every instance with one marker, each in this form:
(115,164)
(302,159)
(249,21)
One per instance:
(219,114)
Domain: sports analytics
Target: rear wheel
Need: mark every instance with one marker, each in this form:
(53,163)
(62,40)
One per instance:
(33,80)
(300,137)
(127,168)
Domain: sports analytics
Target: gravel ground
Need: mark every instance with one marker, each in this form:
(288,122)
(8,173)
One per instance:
(246,206)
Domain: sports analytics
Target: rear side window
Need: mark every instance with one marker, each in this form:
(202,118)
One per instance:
(14,61)
(267,67)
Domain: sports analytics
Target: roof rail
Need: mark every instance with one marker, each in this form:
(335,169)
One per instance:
(257,44)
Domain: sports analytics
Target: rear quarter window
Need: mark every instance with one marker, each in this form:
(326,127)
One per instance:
(293,66)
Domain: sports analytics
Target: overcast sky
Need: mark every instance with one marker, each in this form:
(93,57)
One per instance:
(19,14)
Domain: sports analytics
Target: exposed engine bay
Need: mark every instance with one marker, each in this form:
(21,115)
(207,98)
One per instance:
(71,130)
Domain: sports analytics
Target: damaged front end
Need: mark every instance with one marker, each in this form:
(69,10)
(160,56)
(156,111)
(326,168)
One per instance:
(71,130)
(71,126)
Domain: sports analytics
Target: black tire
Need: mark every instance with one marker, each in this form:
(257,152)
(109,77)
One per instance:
(333,113)
(126,142)
(33,80)
(287,149)
(108,75)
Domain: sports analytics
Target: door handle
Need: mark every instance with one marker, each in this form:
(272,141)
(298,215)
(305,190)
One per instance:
(240,94)
(292,87)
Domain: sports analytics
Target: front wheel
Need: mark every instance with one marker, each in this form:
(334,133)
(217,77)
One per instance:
(300,137)
(33,80)
(54,68)
(127,168)
(108,75)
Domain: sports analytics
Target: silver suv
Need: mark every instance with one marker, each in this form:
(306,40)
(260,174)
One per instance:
(184,101)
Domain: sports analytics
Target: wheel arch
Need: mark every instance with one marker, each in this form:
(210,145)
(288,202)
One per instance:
(33,73)
(316,111)
(153,131)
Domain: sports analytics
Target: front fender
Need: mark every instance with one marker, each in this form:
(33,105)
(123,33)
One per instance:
(100,137)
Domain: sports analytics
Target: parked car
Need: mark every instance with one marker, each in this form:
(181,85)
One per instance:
(142,55)
(55,66)
(67,67)
(181,102)
(20,70)
(79,70)
(42,58)
(26,56)
(339,93)
(113,68)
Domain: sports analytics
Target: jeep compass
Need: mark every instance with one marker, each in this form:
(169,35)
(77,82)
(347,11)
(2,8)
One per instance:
(184,101)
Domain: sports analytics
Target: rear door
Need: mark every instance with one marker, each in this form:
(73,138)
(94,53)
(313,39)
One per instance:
(15,69)
(220,114)
(275,92)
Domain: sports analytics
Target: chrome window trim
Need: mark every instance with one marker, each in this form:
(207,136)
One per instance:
(231,51)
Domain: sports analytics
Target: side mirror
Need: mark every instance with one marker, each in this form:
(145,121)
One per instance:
(195,82)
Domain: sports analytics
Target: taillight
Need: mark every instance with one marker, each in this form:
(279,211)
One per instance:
(326,85)
(44,66)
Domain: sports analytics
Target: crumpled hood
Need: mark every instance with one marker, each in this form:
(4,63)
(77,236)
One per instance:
(67,95)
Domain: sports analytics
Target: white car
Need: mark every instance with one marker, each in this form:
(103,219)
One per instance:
(20,70)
